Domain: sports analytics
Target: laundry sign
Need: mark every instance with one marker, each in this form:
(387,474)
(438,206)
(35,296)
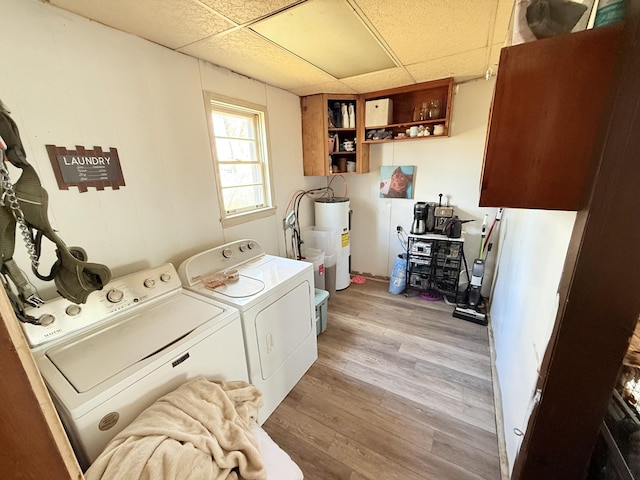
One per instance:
(84,168)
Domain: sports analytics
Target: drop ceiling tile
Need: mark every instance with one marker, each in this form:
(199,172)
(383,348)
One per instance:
(243,11)
(329,35)
(424,34)
(418,30)
(248,54)
(370,82)
(503,18)
(172,23)
(463,65)
(330,87)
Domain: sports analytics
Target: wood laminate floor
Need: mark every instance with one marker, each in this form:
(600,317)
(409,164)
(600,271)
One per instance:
(400,390)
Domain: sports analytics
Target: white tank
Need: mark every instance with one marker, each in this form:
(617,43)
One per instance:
(334,214)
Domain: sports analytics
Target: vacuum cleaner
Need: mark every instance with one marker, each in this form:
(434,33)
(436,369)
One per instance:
(474,310)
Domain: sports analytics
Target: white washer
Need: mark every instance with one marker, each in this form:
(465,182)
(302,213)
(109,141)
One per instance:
(275,297)
(139,338)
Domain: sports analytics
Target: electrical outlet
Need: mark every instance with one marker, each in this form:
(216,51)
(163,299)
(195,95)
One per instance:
(399,228)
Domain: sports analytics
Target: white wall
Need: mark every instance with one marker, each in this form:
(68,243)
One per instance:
(69,81)
(533,247)
(447,165)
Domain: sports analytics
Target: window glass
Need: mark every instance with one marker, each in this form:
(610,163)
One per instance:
(232,150)
(238,132)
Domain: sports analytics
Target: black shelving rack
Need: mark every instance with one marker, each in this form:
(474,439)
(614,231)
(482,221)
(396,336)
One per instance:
(434,263)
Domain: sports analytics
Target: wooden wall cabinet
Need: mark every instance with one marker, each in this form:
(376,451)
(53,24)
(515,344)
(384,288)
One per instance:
(548,110)
(320,156)
(411,107)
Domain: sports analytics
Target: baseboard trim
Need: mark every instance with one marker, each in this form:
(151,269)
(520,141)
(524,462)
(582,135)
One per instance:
(497,399)
(370,276)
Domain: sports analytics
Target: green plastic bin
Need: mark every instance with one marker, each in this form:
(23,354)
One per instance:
(322,296)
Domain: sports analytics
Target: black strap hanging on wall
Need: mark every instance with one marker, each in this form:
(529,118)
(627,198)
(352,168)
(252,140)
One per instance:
(25,204)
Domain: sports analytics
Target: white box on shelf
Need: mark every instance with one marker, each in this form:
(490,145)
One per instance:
(378,112)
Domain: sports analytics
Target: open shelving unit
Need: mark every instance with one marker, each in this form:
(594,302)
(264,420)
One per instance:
(320,158)
(408,100)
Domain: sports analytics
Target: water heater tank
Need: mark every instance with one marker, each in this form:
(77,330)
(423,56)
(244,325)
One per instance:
(334,214)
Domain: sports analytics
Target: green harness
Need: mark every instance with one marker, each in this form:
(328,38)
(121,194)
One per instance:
(25,205)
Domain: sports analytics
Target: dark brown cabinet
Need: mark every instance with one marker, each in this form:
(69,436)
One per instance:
(550,100)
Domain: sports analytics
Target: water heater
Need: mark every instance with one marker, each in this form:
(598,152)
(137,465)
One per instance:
(334,214)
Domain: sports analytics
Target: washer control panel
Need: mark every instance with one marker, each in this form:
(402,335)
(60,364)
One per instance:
(60,317)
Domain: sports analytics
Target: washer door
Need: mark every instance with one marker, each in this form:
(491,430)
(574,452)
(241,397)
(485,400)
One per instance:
(91,359)
(282,327)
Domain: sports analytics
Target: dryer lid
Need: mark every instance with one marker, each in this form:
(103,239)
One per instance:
(97,356)
(244,287)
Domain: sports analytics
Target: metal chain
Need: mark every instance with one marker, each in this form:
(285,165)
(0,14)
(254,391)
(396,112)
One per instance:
(9,197)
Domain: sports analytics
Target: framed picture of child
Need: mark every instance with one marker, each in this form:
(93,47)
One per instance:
(396,182)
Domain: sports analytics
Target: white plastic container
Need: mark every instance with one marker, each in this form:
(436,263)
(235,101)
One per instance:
(326,240)
(330,273)
(315,256)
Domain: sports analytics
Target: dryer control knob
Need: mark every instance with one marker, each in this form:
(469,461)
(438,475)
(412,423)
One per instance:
(250,245)
(47,319)
(149,283)
(73,310)
(115,296)
(227,253)
(242,247)
(165,277)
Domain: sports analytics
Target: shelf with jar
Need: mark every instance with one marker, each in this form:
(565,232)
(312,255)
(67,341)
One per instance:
(411,112)
(332,142)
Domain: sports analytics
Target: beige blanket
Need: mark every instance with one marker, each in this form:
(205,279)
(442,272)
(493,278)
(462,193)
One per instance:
(199,431)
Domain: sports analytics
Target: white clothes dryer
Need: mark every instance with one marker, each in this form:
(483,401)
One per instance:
(276,300)
(139,338)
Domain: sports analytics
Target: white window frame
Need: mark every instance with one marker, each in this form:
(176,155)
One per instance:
(214,102)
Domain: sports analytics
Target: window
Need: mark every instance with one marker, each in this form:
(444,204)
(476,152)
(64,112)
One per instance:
(241,156)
